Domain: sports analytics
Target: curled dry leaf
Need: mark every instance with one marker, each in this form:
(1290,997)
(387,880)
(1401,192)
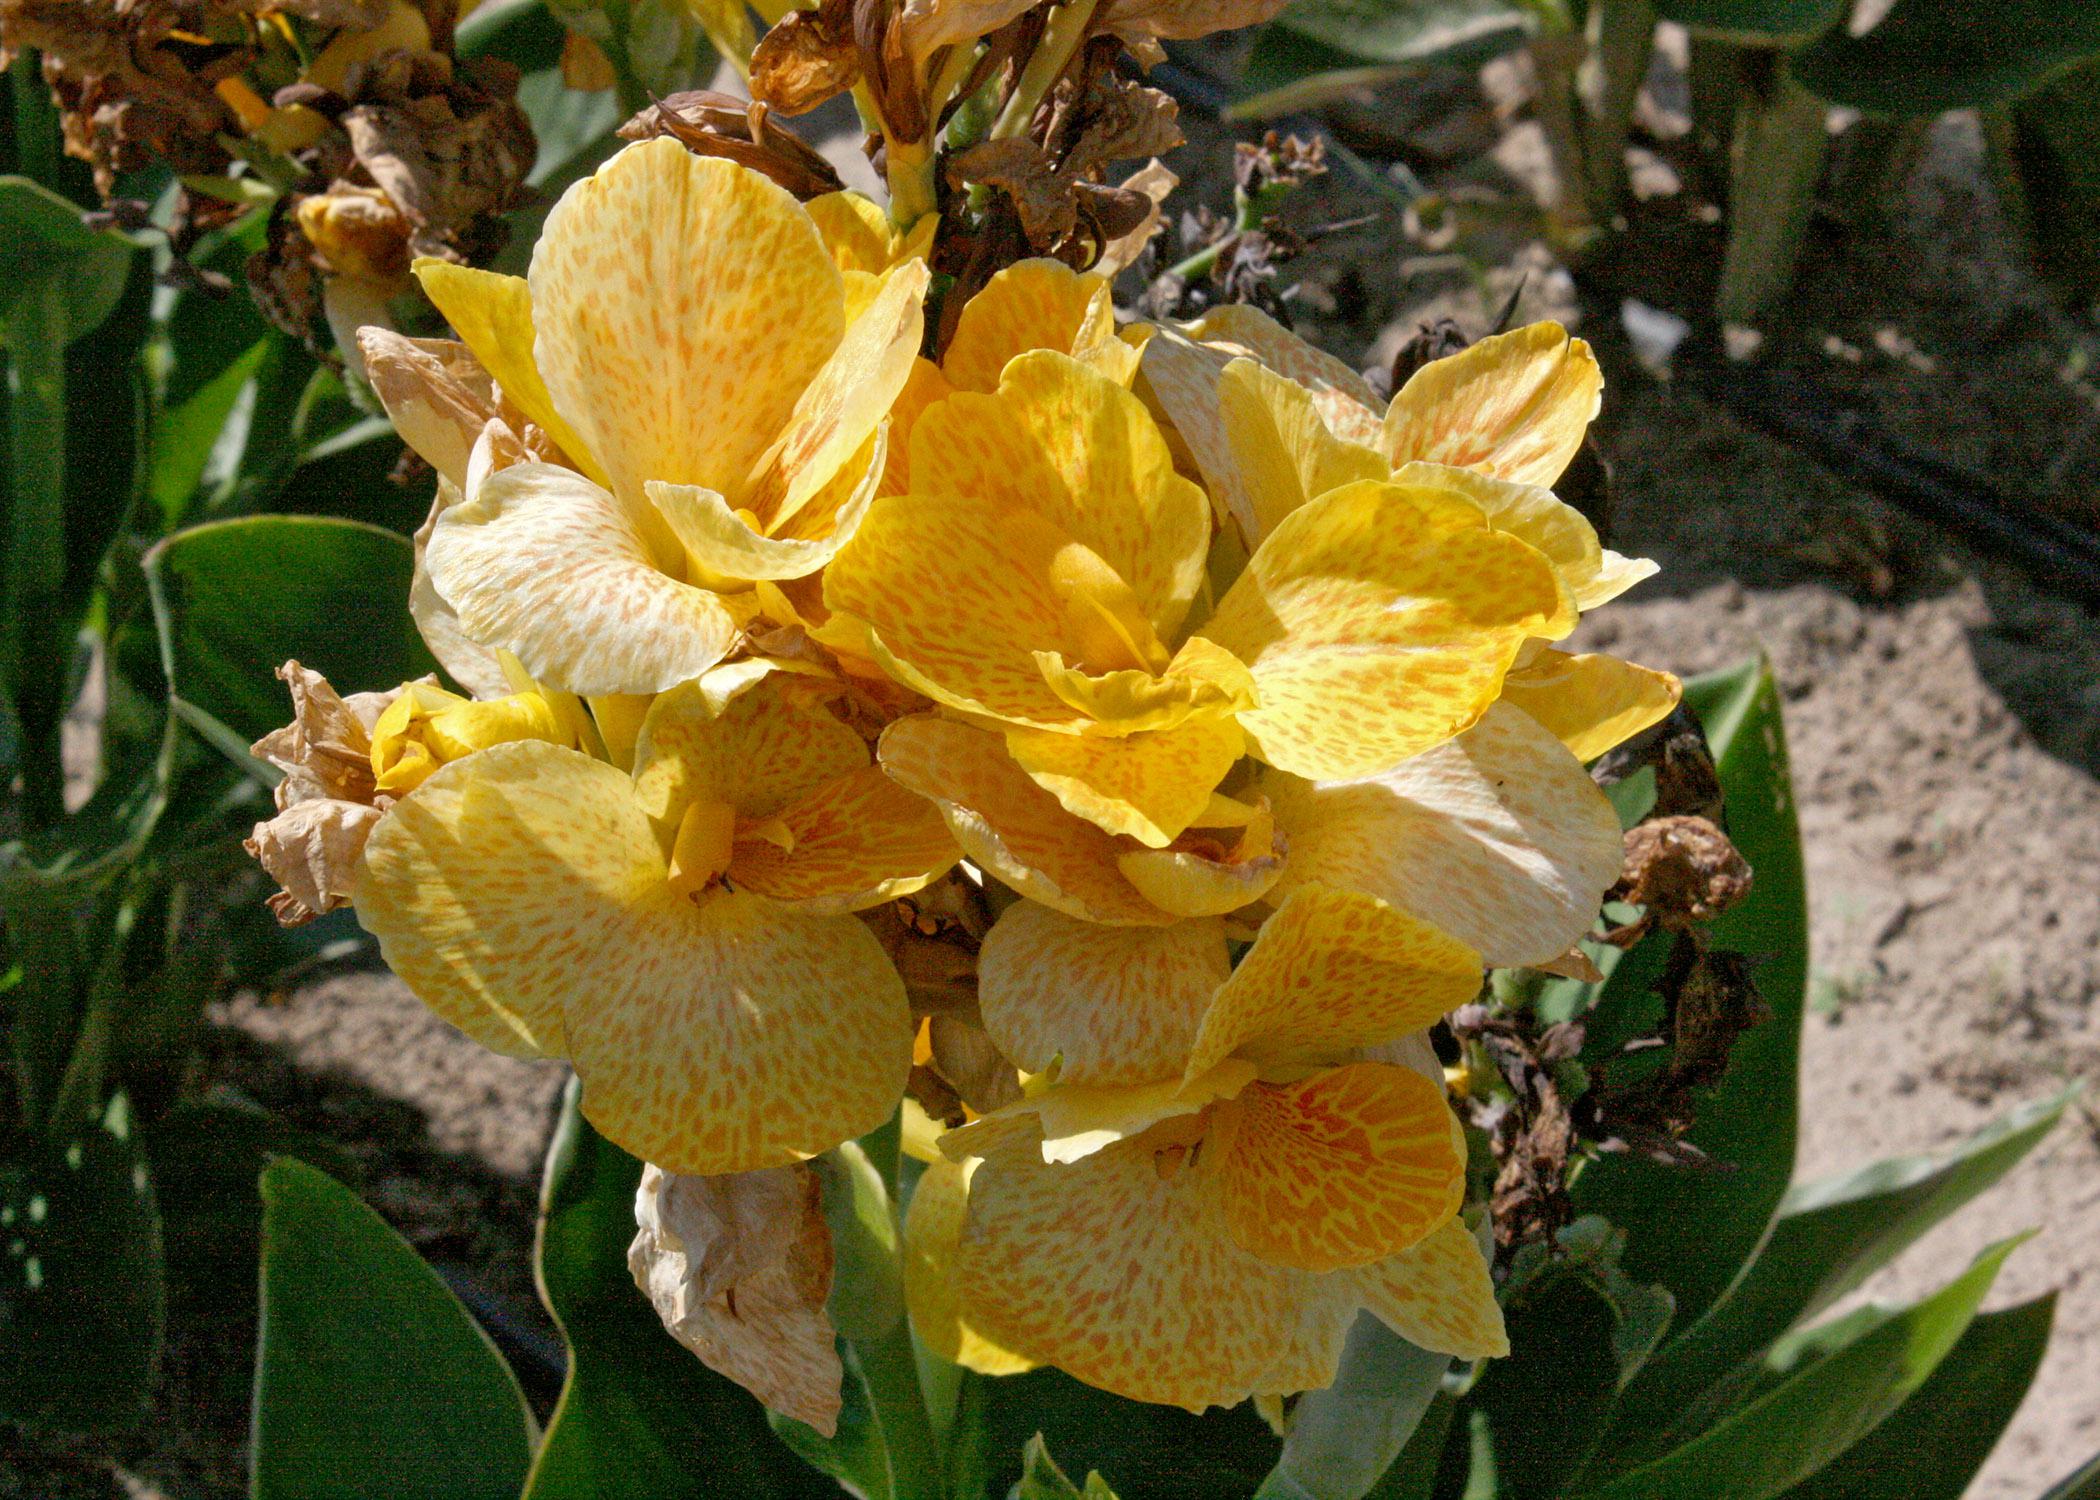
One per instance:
(738,1267)
(1155,180)
(1683,870)
(708,123)
(805,58)
(1138,22)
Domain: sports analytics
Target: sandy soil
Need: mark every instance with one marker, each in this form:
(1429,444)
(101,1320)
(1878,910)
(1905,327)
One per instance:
(1944,716)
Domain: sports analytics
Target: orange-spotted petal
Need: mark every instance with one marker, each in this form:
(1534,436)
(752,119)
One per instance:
(1035,304)
(933,1227)
(756,742)
(853,843)
(1515,406)
(1149,786)
(1437,1294)
(1591,703)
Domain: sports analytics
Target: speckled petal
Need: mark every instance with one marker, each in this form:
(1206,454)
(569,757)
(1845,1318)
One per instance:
(1437,1294)
(1149,786)
(1122,1277)
(724,543)
(1515,406)
(682,304)
(1313,1358)
(499,888)
(1009,825)
(1342,1168)
(1203,679)
(933,1227)
(545,564)
(1035,304)
(724,1035)
(1282,451)
(850,395)
(1591,703)
(1208,882)
(855,229)
(493,315)
(1378,621)
(765,746)
(956,593)
(1528,511)
(1119,1005)
(1332,970)
(1499,838)
(1072,445)
(852,843)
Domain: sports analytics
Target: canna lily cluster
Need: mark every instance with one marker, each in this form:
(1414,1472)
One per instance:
(1114,745)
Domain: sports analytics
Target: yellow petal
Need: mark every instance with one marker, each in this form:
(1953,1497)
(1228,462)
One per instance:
(1378,621)
(1527,511)
(956,593)
(1282,452)
(1437,1294)
(760,750)
(1499,838)
(849,396)
(682,305)
(1116,1005)
(1206,874)
(1515,406)
(1035,304)
(546,565)
(1591,703)
(1010,826)
(933,1228)
(1073,446)
(1615,575)
(725,1034)
(853,843)
(924,386)
(493,315)
(855,229)
(1333,970)
(1202,681)
(1346,402)
(725,545)
(1149,786)
(1123,1276)
(1341,1169)
(1313,1358)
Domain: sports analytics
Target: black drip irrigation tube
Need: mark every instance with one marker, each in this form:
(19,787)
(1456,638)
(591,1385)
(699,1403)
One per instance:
(1806,415)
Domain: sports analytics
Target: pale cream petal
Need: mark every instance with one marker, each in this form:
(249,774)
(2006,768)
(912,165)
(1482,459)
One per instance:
(1591,703)
(1499,838)
(1515,406)
(1615,575)
(1340,1169)
(1314,1355)
(1011,827)
(933,1227)
(1111,1005)
(544,564)
(1437,1294)
(472,665)
(1378,621)
(1075,447)
(682,304)
(1333,970)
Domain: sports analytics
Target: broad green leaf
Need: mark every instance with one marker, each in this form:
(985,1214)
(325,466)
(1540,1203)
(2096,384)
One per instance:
(1749,1119)
(47,255)
(1318,49)
(236,599)
(1830,1236)
(82,1295)
(1818,1409)
(524,33)
(1758,22)
(1932,1445)
(370,1378)
(1929,56)
(640,1418)
(186,435)
(1342,1439)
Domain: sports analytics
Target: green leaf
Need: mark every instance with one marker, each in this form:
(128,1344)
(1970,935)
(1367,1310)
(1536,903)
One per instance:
(1318,49)
(1757,22)
(370,1378)
(2045,151)
(1929,56)
(48,255)
(1932,1445)
(185,435)
(1042,1479)
(1819,1409)
(639,1417)
(236,599)
(1749,1119)
(82,1294)
(1343,1438)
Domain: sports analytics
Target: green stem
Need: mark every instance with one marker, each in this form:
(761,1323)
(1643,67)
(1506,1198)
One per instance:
(36,420)
(1625,40)
(36,123)
(890,1370)
(1780,149)
(1061,38)
(79,1097)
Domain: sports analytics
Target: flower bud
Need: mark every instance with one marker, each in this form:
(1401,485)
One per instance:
(427,727)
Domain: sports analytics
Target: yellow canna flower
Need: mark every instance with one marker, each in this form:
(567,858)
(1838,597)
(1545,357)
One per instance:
(427,727)
(1041,574)
(682,933)
(1272,423)
(686,339)
(1225,1169)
